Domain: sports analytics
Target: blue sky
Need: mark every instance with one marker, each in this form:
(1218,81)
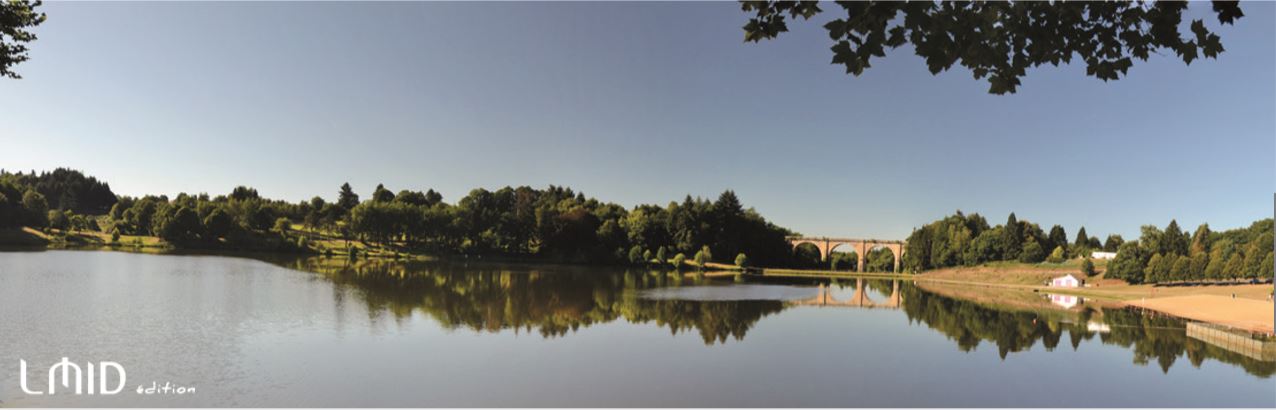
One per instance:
(633,103)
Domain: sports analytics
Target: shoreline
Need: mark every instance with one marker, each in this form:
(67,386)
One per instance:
(1205,303)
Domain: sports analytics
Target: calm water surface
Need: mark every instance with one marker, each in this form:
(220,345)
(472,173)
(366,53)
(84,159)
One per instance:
(323,332)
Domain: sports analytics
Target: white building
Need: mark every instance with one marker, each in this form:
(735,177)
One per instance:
(1067,281)
(1103,255)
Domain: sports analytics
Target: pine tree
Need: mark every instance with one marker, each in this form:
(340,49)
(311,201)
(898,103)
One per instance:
(1058,237)
(1174,241)
(382,195)
(1082,240)
(1012,240)
(1113,243)
(1200,240)
(346,198)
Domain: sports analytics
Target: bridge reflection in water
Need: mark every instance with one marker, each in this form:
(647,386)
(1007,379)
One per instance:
(858,299)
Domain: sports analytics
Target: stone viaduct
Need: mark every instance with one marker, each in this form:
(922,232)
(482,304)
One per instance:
(860,246)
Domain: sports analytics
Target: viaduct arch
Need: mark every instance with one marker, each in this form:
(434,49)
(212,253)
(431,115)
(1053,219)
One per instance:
(861,247)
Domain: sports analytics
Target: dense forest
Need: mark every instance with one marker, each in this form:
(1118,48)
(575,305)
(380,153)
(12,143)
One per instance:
(25,198)
(554,223)
(968,240)
(1157,256)
(1172,256)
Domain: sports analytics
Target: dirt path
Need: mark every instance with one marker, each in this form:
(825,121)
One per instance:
(1249,314)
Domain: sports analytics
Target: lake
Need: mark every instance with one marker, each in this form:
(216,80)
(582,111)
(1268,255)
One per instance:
(326,332)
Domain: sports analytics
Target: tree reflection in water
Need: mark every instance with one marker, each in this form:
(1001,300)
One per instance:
(489,297)
(555,300)
(1150,337)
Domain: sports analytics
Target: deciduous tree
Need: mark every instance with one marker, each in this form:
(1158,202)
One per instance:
(17,19)
(1000,41)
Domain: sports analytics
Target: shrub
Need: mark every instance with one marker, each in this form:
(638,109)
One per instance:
(282,225)
(678,260)
(635,255)
(1056,256)
(742,261)
(57,219)
(1087,267)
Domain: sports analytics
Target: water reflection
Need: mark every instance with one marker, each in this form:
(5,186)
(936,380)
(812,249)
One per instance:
(554,301)
(1151,337)
(493,297)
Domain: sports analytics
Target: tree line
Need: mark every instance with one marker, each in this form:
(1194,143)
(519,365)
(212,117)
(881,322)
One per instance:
(968,240)
(27,198)
(1157,256)
(555,223)
(1174,256)
(558,223)
(562,224)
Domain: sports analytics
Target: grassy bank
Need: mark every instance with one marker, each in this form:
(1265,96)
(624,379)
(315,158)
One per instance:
(316,242)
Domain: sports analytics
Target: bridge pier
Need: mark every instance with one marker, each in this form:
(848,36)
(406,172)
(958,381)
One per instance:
(860,253)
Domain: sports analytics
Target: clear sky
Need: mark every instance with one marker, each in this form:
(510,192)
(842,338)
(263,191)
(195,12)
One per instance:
(634,103)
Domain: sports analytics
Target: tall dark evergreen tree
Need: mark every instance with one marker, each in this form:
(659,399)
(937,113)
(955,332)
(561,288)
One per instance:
(67,190)
(1082,240)
(1013,239)
(382,195)
(1113,242)
(1058,237)
(346,198)
(729,216)
(1174,241)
